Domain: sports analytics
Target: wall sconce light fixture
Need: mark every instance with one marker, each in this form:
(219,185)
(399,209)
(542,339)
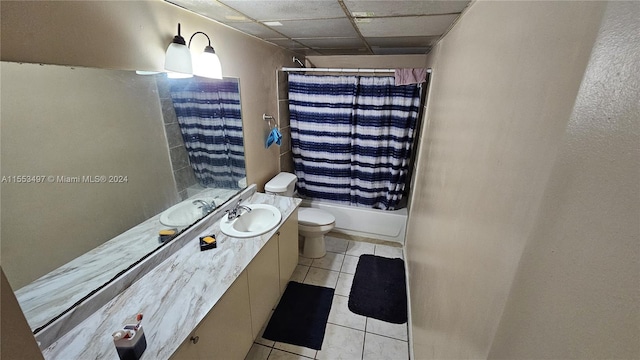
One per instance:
(178,59)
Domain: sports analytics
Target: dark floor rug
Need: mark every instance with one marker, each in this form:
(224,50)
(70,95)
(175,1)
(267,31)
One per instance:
(379,289)
(301,315)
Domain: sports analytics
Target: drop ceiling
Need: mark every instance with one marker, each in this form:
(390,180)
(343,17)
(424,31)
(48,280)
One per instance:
(336,27)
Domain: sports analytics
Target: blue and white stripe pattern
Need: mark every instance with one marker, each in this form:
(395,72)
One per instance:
(210,120)
(351,137)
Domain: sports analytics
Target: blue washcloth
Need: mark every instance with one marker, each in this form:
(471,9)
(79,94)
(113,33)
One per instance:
(274,137)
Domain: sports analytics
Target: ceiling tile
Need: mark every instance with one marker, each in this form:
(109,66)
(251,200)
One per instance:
(308,52)
(406,7)
(287,9)
(255,29)
(406,26)
(211,9)
(333,43)
(317,28)
(405,41)
(400,50)
(287,43)
(344,52)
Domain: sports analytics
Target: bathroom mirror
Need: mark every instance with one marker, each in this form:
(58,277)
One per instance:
(95,162)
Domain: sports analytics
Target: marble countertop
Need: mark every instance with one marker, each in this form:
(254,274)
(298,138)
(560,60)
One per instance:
(174,296)
(53,293)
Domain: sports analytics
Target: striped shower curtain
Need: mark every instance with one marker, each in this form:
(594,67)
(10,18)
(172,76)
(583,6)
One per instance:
(210,119)
(351,137)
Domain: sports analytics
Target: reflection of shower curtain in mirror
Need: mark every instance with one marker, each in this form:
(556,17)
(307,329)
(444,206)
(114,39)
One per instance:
(351,137)
(210,119)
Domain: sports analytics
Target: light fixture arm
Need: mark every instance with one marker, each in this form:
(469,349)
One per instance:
(207,48)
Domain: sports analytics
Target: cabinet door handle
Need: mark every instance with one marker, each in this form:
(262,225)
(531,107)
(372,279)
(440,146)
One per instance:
(195,339)
(278,233)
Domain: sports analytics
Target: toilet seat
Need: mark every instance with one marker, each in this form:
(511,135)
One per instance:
(312,229)
(315,217)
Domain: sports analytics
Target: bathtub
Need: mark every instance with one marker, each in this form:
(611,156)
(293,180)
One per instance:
(370,223)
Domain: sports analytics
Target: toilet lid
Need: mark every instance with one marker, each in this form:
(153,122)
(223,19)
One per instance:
(310,216)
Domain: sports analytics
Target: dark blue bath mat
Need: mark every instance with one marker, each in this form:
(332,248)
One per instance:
(301,315)
(379,289)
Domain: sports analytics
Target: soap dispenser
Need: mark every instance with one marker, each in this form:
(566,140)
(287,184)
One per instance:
(130,341)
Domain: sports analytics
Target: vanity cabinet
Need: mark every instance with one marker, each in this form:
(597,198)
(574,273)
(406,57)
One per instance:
(225,333)
(229,329)
(270,271)
(288,249)
(264,279)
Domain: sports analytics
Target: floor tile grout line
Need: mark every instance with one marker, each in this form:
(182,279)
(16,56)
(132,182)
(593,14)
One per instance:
(365,335)
(295,353)
(364,341)
(267,346)
(386,336)
(345,326)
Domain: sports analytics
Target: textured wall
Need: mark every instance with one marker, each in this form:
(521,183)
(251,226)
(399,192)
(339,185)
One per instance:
(576,294)
(504,82)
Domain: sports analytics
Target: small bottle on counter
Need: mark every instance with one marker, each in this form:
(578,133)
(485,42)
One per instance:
(130,341)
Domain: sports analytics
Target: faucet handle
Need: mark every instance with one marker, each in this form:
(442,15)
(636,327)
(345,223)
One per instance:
(231,214)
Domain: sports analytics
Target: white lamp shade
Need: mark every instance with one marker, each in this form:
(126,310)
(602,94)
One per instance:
(178,59)
(208,65)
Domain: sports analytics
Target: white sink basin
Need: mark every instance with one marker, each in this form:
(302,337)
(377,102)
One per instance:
(261,219)
(184,213)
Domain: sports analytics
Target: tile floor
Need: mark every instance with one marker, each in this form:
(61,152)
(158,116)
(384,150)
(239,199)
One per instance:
(348,336)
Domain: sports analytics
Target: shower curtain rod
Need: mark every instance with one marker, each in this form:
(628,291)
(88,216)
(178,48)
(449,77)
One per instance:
(287,69)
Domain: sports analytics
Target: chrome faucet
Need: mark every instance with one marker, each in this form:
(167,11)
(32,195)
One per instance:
(206,207)
(236,212)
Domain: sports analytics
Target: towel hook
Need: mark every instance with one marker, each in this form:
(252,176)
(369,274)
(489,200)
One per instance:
(268,119)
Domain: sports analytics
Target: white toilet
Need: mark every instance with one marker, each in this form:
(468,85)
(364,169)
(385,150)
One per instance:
(312,223)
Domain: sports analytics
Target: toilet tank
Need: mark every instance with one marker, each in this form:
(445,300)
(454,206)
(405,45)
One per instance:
(282,184)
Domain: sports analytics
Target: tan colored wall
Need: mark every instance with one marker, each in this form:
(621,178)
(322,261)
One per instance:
(134,35)
(504,82)
(87,122)
(368,61)
(576,293)
(17,341)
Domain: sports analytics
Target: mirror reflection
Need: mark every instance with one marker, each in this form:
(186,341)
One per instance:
(96,163)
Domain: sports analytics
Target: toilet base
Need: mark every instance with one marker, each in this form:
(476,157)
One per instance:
(313,247)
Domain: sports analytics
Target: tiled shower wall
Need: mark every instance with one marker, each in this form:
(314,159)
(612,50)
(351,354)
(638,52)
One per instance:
(182,171)
(286,158)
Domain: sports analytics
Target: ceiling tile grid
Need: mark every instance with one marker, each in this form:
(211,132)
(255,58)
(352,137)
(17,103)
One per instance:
(337,27)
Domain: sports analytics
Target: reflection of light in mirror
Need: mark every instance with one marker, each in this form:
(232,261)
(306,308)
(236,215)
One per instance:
(144,72)
(175,75)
